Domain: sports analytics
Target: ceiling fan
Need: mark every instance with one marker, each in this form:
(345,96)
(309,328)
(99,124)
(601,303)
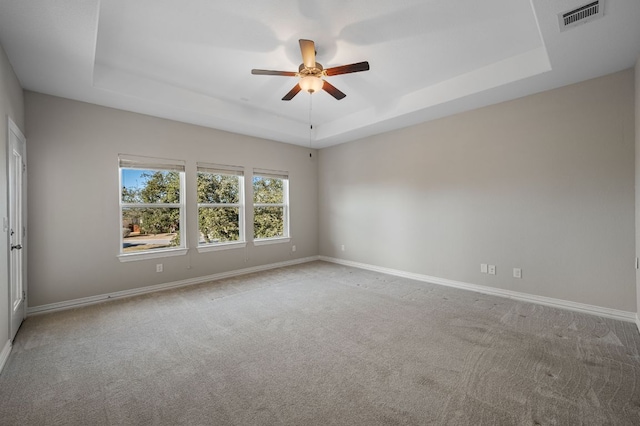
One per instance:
(311,73)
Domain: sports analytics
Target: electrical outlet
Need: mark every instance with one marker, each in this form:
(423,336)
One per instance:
(492,269)
(159,267)
(483,268)
(342,247)
(293,248)
(517,273)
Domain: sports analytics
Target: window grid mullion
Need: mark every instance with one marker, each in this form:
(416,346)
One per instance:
(237,205)
(151,205)
(269,205)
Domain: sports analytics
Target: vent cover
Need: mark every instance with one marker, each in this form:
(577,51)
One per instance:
(581,15)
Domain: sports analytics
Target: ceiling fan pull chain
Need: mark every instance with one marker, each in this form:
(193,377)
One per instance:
(310,124)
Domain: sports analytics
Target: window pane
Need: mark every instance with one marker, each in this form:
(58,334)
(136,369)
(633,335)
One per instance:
(219,224)
(150,228)
(268,190)
(150,186)
(218,188)
(268,222)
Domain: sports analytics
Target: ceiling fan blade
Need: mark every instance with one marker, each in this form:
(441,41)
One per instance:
(308,49)
(346,69)
(268,72)
(292,93)
(330,89)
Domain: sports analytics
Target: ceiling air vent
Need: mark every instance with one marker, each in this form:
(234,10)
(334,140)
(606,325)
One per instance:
(581,15)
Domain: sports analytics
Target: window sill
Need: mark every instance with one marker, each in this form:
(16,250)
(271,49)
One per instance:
(221,246)
(132,257)
(271,241)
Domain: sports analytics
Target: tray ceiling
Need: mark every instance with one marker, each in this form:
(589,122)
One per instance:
(191,60)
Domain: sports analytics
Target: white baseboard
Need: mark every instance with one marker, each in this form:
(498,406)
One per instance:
(85,301)
(525,297)
(548,301)
(4,355)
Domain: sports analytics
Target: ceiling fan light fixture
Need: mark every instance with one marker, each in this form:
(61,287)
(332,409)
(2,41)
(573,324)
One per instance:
(311,84)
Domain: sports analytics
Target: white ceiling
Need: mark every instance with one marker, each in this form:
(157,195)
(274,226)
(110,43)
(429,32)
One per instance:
(190,60)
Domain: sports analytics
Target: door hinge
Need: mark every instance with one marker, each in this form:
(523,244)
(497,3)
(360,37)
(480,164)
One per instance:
(24,168)
(24,295)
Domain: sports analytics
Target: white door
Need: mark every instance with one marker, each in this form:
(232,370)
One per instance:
(17,165)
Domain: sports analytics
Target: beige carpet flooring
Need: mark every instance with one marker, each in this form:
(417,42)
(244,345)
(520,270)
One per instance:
(321,344)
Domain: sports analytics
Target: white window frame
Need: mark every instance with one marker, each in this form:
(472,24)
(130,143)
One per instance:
(274,174)
(126,161)
(232,171)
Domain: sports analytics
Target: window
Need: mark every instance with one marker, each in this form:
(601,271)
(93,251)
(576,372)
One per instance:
(220,205)
(270,205)
(151,206)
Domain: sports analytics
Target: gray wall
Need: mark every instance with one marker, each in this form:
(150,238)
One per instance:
(72,149)
(544,183)
(11,105)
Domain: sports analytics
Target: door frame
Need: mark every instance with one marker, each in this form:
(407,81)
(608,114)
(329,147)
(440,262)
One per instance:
(14,130)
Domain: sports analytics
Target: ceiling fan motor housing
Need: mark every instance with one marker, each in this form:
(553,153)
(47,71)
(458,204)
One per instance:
(316,71)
